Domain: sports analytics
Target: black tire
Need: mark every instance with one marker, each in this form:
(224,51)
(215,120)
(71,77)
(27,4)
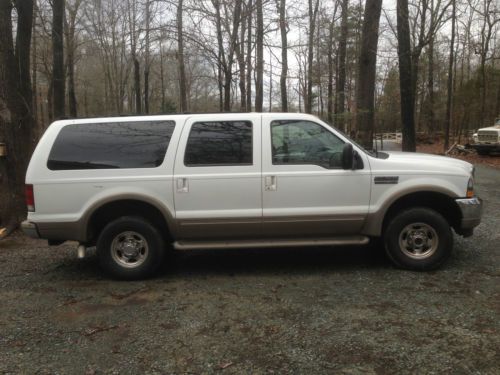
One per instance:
(130,248)
(418,239)
(483,152)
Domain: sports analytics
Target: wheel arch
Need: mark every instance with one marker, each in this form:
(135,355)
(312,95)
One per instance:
(440,201)
(105,211)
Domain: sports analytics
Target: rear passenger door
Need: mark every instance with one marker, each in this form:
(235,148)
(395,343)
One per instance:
(217,177)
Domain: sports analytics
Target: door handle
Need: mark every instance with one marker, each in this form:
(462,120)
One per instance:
(270,183)
(182,185)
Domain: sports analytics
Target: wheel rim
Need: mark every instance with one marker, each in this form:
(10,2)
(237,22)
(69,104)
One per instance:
(129,249)
(418,240)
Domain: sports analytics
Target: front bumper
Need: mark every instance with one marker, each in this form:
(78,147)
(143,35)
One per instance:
(30,229)
(486,146)
(472,210)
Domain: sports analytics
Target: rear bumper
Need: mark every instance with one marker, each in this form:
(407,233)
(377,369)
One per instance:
(472,210)
(57,231)
(30,229)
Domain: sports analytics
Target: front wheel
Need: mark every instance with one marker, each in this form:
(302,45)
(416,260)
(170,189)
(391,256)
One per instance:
(130,248)
(418,239)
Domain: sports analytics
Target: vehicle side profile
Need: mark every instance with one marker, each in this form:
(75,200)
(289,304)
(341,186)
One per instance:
(135,187)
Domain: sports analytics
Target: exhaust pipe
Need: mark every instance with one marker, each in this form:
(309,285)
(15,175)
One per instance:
(81,251)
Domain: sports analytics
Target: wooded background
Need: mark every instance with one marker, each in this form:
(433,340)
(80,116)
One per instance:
(405,65)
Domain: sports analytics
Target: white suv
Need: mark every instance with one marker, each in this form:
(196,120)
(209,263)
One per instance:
(134,186)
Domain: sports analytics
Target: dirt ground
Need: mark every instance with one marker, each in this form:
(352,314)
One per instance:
(303,311)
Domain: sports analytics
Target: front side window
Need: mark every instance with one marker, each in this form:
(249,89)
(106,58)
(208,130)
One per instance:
(218,143)
(305,142)
(138,144)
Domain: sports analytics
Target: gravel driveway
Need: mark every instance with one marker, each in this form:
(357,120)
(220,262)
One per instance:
(308,311)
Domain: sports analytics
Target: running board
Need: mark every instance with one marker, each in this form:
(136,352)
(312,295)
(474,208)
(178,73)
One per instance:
(249,244)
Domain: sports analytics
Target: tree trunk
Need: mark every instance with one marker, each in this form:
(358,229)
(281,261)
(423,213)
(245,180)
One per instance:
(249,57)
(405,76)
(58,81)
(430,88)
(240,54)
(137,84)
(70,26)
(341,79)
(313,12)
(284,54)
(132,17)
(450,79)
(259,68)
(16,112)
(365,93)
(180,59)
(34,71)
(331,30)
(146,58)
(270,84)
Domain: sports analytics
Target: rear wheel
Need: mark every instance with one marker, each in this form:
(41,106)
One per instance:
(418,239)
(130,248)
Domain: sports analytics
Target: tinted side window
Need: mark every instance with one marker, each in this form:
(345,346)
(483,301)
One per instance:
(219,143)
(111,145)
(305,142)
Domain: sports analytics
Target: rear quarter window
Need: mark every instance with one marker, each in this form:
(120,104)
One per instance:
(138,144)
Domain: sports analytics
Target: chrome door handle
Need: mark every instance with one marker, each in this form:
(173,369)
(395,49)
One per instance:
(182,185)
(270,183)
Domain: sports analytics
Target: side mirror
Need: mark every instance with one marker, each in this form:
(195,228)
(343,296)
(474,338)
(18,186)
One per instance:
(347,156)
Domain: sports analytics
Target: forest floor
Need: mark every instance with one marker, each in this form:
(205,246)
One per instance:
(309,311)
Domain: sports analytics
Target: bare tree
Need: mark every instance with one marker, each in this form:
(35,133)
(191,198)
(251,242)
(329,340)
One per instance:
(331,38)
(450,79)
(341,75)
(16,108)
(365,91)
(313,15)
(70,30)
(132,18)
(58,81)
(281,5)
(490,15)
(240,55)
(183,106)
(147,46)
(249,57)
(405,76)
(259,66)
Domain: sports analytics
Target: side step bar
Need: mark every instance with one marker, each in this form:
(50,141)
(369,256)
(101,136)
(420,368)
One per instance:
(249,244)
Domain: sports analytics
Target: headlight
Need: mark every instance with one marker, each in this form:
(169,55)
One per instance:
(470,188)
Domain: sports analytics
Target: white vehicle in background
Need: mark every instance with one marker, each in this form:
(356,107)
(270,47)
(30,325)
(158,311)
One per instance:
(487,140)
(135,187)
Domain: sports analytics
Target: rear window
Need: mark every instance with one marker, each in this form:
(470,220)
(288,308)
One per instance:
(218,143)
(140,144)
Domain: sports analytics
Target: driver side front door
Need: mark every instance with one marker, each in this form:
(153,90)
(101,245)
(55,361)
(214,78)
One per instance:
(305,190)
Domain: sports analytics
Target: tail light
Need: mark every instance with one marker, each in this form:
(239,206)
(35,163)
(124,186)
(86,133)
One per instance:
(30,198)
